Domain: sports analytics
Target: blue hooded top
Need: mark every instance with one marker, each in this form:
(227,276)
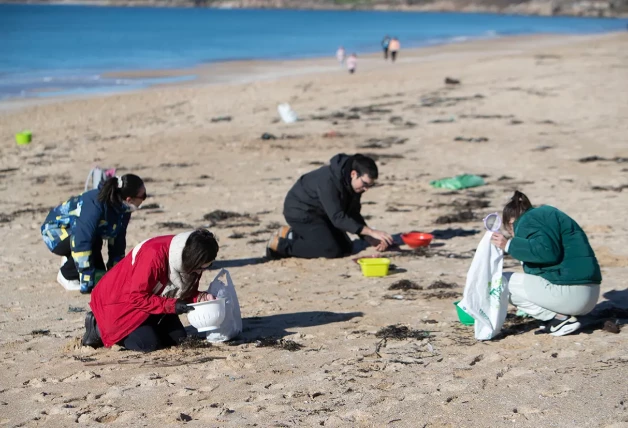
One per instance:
(81,219)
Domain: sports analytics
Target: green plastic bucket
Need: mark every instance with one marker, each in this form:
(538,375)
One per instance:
(98,275)
(23,138)
(464,317)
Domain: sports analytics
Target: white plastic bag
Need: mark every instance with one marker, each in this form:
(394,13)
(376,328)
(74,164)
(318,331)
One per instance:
(232,324)
(485,294)
(287,114)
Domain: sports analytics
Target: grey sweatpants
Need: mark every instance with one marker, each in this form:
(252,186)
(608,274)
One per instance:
(542,300)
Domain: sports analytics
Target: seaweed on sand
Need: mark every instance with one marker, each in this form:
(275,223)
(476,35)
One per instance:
(401,332)
(150,207)
(382,143)
(220,215)
(174,225)
(377,157)
(405,284)
(227,219)
(192,342)
(271,342)
(441,284)
(440,294)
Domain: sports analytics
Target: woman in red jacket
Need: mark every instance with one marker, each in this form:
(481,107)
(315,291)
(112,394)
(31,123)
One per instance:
(137,303)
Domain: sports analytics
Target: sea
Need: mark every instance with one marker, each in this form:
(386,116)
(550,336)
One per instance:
(53,50)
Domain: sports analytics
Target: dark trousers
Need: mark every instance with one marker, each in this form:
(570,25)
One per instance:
(393,56)
(68,270)
(385,53)
(311,240)
(157,332)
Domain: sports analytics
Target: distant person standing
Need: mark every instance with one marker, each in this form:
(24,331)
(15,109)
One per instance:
(352,63)
(340,55)
(393,48)
(385,44)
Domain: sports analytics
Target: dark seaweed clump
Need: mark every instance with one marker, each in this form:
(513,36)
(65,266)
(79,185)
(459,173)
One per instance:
(405,284)
(401,332)
(441,284)
(271,342)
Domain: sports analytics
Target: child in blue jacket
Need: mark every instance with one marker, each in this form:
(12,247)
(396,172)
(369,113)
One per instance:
(76,229)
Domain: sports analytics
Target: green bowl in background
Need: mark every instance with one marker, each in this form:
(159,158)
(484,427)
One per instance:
(23,138)
(464,317)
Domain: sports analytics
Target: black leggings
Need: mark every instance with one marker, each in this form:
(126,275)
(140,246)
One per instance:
(393,55)
(157,332)
(68,270)
(318,238)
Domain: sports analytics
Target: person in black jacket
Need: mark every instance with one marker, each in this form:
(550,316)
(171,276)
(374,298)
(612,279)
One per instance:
(323,206)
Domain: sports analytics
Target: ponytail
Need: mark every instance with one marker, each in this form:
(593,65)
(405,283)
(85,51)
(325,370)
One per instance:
(117,189)
(519,204)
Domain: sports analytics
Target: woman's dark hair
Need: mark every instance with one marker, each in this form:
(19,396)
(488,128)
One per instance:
(519,203)
(364,165)
(117,189)
(200,248)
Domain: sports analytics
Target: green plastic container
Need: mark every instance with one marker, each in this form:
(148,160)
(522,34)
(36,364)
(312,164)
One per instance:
(98,275)
(464,317)
(23,138)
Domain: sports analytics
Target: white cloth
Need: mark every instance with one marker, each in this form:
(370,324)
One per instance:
(485,294)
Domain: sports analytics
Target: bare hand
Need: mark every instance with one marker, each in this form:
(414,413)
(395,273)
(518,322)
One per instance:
(383,237)
(499,240)
(382,246)
(204,297)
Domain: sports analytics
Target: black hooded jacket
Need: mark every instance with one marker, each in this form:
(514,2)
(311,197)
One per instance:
(326,192)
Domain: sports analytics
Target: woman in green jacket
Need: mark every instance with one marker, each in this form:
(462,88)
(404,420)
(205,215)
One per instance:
(562,276)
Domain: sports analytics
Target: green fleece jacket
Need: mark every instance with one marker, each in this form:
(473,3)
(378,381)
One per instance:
(552,245)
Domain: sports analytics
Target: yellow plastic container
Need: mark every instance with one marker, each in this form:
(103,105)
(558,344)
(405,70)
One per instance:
(374,267)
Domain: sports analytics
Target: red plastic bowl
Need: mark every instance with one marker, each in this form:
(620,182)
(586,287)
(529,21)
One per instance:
(417,239)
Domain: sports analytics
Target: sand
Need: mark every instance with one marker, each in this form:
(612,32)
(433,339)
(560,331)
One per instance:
(550,101)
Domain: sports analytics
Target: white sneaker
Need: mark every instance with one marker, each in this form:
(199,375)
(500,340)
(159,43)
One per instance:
(63,260)
(68,284)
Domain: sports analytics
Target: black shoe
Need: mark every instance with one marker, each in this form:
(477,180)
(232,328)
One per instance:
(92,335)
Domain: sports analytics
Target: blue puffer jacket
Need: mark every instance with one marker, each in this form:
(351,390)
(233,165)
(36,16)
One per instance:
(81,219)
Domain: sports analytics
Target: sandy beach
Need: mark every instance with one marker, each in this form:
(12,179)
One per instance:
(527,114)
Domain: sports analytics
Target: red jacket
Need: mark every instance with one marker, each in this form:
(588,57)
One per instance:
(131,291)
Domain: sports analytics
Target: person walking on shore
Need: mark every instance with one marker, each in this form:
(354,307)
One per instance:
(394,47)
(385,43)
(352,63)
(340,55)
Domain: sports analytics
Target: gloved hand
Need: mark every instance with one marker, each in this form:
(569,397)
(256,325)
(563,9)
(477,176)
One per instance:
(180,307)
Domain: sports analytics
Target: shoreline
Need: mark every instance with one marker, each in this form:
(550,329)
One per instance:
(532,8)
(240,72)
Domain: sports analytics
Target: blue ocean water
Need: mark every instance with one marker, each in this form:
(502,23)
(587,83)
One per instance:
(52,50)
